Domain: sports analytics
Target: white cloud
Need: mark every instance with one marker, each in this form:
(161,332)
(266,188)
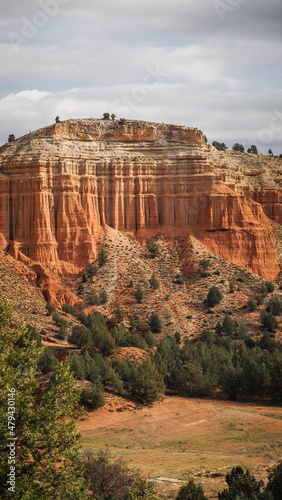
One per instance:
(165,61)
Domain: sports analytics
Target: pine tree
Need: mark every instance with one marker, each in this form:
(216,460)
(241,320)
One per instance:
(139,294)
(45,437)
(155,323)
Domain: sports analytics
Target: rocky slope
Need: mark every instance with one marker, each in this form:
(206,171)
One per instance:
(61,186)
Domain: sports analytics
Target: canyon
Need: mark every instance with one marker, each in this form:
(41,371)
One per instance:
(63,185)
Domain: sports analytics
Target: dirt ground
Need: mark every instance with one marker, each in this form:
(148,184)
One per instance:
(181,438)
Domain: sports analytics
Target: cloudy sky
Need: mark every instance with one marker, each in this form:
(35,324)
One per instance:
(211,64)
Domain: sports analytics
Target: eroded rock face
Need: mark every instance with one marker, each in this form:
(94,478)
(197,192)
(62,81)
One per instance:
(60,185)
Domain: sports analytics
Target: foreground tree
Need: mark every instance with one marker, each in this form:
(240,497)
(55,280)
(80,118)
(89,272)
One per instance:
(112,478)
(241,485)
(42,435)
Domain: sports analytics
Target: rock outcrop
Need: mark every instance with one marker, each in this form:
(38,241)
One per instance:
(60,185)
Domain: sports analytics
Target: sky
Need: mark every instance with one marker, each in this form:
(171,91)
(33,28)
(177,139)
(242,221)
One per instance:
(211,64)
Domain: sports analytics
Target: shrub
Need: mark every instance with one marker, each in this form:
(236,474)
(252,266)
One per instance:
(139,294)
(11,138)
(146,383)
(103,340)
(228,325)
(231,287)
(220,146)
(268,321)
(111,478)
(252,305)
(94,300)
(47,362)
(69,309)
(154,282)
(268,287)
(93,395)
(191,491)
(259,298)
(240,485)
(62,332)
(84,278)
(92,271)
(177,337)
(102,257)
(59,320)
(155,323)
(50,308)
(274,305)
(238,147)
(104,297)
(80,336)
(275,483)
(180,280)
(150,338)
(153,249)
(119,314)
(205,264)
(214,296)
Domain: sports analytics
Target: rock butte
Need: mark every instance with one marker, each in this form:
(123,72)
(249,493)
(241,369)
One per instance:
(60,185)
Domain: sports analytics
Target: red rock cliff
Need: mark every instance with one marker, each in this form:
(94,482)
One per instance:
(61,184)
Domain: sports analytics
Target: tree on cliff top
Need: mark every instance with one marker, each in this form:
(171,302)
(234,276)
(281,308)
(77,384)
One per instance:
(220,146)
(43,426)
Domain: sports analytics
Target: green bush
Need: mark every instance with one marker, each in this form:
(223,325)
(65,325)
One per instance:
(80,336)
(139,294)
(94,300)
(154,282)
(92,271)
(180,280)
(50,308)
(59,320)
(252,305)
(119,314)
(191,491)
(102,257)
(274,305)
(268,321)
(153,249)
(47,362)
(155,323)
(104,297)
(214,296)
(205,264)
(150,338)
(69,309)
(93,395)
